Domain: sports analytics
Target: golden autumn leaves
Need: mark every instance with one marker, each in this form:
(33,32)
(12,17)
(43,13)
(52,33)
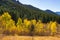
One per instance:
(24,27)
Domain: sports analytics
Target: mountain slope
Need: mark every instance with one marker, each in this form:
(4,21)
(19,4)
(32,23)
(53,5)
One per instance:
(17,9)
(51,12)
(58,13)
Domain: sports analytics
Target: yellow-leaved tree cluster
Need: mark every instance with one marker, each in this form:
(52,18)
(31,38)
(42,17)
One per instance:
(26,27)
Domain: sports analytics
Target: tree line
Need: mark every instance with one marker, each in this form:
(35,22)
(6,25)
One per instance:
(26,27)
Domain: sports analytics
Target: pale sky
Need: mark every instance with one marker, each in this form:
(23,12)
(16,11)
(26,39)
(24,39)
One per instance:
(53,5)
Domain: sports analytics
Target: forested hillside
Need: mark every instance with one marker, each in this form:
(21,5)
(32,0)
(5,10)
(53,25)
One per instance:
(17,9)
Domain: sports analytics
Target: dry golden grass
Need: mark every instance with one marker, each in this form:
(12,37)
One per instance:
(46,38)
(29,38)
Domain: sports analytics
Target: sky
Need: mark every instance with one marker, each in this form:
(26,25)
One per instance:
(53,5)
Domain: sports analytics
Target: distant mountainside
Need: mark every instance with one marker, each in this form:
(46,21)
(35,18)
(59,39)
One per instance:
(51,12)
(58,13)
(17,9)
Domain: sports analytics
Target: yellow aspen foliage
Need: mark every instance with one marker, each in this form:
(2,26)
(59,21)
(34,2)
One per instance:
(33,22)
(8,22)
(27,23)
(2,25)
(6,16)
(19,29)
(13,30)
(49,26)
(19,25)
(39,27)
(19,21)
(8,26)
(53,28)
